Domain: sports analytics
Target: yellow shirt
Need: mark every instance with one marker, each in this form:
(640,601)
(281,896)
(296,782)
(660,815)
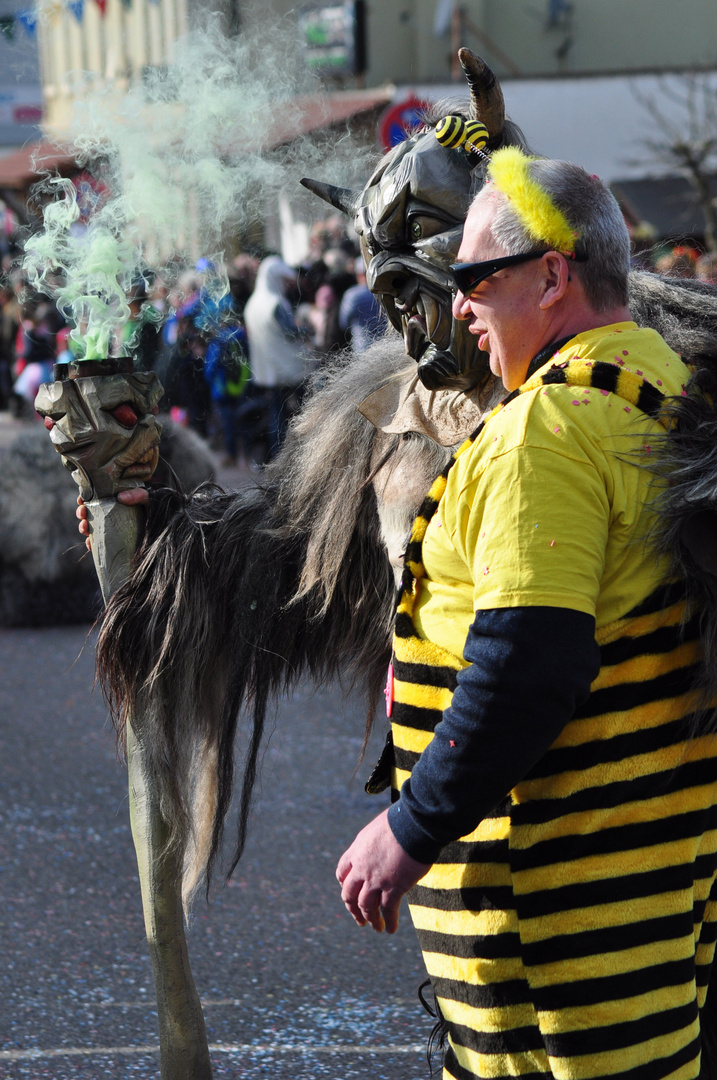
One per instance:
(549,505)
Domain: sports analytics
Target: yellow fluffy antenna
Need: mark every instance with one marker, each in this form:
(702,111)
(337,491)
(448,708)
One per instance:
(509,171)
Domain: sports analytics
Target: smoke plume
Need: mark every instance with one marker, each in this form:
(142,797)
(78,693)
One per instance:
(181,162)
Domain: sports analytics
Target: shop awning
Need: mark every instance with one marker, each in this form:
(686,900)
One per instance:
(313,113)
(21,167)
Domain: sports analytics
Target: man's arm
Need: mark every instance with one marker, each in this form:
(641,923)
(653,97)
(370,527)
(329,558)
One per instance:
(531,668)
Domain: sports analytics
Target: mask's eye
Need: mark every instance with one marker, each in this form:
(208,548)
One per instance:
(421,226)
(126,415)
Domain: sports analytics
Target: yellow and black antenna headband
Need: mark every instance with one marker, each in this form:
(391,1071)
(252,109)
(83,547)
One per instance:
(454,132)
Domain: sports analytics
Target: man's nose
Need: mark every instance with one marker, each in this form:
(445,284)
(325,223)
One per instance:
(459,307)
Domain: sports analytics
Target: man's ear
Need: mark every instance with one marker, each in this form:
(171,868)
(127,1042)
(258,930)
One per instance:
(556,275)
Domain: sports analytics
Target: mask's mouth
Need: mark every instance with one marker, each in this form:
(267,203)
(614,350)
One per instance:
(415,335)
(438,369)
(457,366)
(416,296)
(425,321)
(418,301)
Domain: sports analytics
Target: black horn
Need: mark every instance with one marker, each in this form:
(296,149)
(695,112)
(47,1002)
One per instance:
(344,199)
(487,104)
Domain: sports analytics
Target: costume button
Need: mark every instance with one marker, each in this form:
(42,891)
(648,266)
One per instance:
(388,692)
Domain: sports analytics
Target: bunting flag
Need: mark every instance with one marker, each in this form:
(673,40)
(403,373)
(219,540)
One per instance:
(28,21)
(27,17)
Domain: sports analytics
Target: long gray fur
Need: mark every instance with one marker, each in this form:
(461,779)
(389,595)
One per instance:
(235,596)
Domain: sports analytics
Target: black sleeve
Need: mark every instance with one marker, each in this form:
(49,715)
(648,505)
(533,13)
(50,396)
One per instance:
(530,669)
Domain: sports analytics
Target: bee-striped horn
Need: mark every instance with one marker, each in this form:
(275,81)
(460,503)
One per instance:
(344,199)
(487,104)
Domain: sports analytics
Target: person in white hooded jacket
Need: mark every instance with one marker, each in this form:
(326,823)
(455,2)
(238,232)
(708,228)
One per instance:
(276,342)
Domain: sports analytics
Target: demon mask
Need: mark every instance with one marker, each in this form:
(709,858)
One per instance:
(409,218)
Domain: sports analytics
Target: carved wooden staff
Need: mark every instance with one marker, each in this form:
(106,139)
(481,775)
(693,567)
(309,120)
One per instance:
(101,415)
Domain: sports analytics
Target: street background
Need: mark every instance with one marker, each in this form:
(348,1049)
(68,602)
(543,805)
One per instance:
(290,986)
(285,976)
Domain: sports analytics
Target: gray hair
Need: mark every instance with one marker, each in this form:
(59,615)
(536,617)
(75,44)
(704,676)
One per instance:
(594,214)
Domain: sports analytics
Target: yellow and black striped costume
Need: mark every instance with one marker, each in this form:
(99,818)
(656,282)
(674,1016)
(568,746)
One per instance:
(572,933)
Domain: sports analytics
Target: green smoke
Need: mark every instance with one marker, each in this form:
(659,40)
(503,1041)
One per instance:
(189,159)
(88,272)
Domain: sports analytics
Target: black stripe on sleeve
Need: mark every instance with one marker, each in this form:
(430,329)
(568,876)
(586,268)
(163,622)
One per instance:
(664,596)
(425,675)
(519,1040)
(658,1068)
(614,841)
(634,695)
(412,717)
(467,898)
(606,891)
(404,627)
(662,640)
(471,946)
(606,796)
(456,1070)
(493,995)
(561,759)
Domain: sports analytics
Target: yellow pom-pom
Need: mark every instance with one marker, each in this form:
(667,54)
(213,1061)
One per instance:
(545,222)
(451,131)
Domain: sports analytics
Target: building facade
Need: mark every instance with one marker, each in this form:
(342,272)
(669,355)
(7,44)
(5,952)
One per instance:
(85,50)
(20,91)
(412,41)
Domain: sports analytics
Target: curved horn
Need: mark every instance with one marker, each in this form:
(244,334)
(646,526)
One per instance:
(344,199)
(487,103)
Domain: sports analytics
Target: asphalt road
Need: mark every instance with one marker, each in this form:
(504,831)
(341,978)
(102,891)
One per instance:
(291,987)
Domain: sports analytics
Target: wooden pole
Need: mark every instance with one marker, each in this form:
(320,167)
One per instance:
(99,452)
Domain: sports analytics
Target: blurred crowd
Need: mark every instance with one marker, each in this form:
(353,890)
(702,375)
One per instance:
(234,345)
(679,261)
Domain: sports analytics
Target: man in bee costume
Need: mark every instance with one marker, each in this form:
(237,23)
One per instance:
(555,774)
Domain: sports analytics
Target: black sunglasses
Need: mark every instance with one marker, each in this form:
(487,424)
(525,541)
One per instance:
(468,276)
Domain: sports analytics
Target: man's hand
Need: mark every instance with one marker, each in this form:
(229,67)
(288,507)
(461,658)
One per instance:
(134,497)
(375,873)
